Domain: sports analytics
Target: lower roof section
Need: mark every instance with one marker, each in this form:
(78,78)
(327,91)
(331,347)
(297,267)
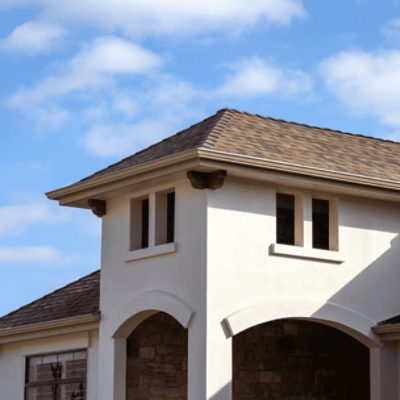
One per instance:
(77,299)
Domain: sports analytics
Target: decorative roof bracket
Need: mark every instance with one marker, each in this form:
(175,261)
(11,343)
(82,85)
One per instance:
(207,180)
(98,207)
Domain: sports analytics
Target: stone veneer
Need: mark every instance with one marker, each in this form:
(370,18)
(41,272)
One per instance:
(298,360)
(157,360)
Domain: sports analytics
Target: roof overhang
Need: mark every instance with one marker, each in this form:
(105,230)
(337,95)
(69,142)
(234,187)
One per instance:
(83,323)
(259,169)
(388,332)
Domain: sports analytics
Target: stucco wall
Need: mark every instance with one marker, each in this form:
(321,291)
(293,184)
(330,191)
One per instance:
(13,358)
(241,227)
(175,283)
(223,271)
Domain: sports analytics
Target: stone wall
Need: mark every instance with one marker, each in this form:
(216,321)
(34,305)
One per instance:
(157,360)
(298,360)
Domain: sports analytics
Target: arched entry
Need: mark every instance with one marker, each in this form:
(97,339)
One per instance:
(156,359)
(298,359)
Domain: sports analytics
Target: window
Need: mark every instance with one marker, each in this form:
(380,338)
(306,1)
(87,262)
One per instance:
(320,224)
(285,216)
(59,376)
(140,223)
(323,218)
(165,217)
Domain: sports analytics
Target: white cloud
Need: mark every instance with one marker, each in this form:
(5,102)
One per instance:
(32,37)
(92,68)
(169,101)
(256,77)
(366,83)
(140,17)
(125,104)
(392,30)
(119,140)
(29,255)
(17,218)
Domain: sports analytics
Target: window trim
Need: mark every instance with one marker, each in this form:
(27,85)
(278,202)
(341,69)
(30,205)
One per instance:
(28,385)
(333,221)
(331,256)
(157,244)
(298,216)
(303,247)
(158,250)
(137,240)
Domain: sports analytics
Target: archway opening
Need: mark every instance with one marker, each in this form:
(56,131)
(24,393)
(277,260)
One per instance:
(156,363)
(296,360)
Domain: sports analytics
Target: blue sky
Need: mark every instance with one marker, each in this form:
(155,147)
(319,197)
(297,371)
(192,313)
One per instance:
(84,83)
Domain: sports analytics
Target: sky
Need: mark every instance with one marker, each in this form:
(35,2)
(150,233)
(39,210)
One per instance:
(85,83)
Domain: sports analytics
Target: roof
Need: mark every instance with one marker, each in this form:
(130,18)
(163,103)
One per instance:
(390,321)
(234,132)
(76,299)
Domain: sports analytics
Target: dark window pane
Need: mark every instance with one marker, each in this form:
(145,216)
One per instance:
(145,223)
(320,224)
(285,218)
(40,393)
(170,217)
(72,391)
(56,376)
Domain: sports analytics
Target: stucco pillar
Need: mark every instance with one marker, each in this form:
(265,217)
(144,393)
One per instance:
(384,372)
(209,361)
(112,368)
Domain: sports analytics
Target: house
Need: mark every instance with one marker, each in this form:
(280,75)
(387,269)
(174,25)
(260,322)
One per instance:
(242,258)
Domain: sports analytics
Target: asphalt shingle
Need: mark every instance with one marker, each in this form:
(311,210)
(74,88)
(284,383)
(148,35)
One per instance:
(240,133)
(76,299)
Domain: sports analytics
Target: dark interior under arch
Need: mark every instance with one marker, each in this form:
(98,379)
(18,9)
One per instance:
(297,360)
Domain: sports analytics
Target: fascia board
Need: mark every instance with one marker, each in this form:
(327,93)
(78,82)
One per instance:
(49,328)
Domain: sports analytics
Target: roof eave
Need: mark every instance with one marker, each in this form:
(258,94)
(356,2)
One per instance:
(388,332)
(286,167)
(82,323)
(78,193)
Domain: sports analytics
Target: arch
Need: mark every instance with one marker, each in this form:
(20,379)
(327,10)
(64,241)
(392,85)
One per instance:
(142,306)
(298,359)
(346,320)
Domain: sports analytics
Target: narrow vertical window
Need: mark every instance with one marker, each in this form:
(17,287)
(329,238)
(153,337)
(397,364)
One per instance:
(165,217)
(145,223)
(139,223)
(170,217)
(285,219)
(320,224)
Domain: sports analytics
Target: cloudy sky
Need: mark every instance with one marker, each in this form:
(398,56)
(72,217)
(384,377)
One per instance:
(86,82)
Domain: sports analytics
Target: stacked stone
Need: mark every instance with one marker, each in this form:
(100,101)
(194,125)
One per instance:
(298,360)
(157,360)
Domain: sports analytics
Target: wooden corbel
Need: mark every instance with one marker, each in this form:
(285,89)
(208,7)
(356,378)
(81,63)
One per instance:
(207,180)
(98,207)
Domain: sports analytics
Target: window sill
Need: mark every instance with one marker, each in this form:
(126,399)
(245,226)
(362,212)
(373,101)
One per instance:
(155,251)
(331,256)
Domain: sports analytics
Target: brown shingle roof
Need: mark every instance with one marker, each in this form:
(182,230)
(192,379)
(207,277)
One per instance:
(391,321)
(76,299)
(236,132)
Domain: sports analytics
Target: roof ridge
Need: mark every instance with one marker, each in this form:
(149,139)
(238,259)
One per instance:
(168,138)
(224,119)
(49,294)
(313,126)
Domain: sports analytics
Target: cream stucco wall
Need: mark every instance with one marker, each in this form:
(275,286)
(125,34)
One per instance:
(222,279)
(175,283)
(248,285)
(13,358)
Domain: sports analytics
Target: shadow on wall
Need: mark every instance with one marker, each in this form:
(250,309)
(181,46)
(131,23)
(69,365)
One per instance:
(377,285)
